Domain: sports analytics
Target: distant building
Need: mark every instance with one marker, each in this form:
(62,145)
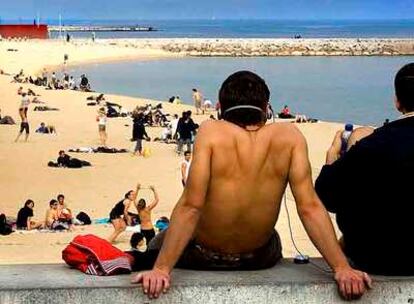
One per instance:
(31,31)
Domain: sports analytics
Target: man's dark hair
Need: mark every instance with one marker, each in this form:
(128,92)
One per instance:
(244,88)
(187,153)
(28,202)
(404,87)
(194,90)
(60,196)
(52,202)
(136,238)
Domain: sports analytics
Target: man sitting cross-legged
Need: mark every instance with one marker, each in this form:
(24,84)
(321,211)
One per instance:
(226,215)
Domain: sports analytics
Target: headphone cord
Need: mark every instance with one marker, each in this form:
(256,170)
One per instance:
(294,243)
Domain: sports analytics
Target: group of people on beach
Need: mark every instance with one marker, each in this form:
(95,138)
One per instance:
(58,216)
(52,82)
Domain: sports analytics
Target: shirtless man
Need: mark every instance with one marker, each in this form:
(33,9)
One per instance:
(52,215)
(197,97)
(144,211)
(185,167)
(226,215)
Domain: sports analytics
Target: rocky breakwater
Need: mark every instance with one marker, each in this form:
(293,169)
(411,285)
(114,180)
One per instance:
(287,47)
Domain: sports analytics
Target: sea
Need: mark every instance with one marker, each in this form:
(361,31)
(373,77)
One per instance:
(251,28)
(357,90)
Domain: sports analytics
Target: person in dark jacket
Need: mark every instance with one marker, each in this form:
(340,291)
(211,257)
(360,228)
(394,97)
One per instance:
(368,189)
(185,130)
(139,133)
(64,160)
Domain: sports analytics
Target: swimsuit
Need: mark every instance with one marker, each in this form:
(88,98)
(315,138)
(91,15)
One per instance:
(117,211)
(24,126)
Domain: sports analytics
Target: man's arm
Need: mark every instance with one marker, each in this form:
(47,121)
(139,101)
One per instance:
(156,198)
(318,225)
(335,149)
(184,218)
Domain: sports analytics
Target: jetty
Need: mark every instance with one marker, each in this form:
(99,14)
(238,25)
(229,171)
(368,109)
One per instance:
(85,28)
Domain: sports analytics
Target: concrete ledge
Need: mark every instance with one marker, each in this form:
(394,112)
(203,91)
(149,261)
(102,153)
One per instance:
(285,283)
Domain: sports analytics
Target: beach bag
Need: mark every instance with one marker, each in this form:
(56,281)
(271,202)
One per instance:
(146,152)
(84,218)
(5,228)
(95,256)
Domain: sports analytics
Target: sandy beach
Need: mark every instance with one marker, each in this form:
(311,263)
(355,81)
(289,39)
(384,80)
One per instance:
(25,174)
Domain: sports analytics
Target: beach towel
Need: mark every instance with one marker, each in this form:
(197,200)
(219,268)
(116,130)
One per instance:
(95,256)
(101,221)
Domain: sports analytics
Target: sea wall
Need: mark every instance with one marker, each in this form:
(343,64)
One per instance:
(285,283)
(293,47)
(276,47)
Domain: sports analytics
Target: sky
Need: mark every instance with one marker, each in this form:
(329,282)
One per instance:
(206,9)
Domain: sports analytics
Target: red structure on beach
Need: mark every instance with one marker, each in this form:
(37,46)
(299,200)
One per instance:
(32,31)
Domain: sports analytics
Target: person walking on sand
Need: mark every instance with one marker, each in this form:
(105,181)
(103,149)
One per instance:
(101,119)
(119,214)
(185,167)
(139,133)
(23,109)
(197,98)
(144,211)
(227,212)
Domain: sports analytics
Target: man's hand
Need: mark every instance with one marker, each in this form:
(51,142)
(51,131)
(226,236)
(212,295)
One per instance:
(352,283)
(138,186)
(153,282)
(152,188)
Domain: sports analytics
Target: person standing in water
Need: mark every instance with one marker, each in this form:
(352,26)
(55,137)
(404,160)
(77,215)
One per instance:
(197,98)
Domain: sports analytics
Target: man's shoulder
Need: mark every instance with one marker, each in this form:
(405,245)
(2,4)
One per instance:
(284,131)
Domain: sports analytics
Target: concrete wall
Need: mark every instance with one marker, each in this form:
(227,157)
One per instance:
(285,283)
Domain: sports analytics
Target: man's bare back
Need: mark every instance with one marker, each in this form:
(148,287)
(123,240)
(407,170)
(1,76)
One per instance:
(231,200)
(249,174)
